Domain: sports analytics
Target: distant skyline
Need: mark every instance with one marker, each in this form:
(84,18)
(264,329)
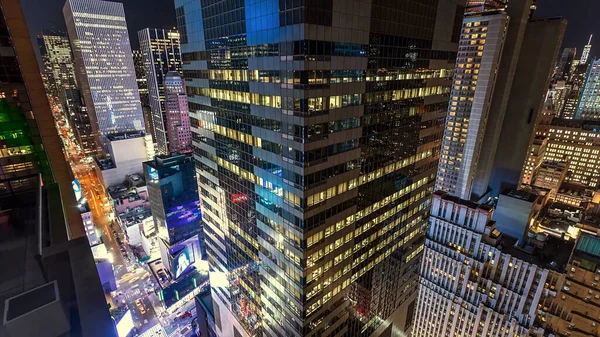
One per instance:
(47,14)
(582,16)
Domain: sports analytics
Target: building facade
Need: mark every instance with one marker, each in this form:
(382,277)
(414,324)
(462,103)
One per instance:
(162,53)
(470,286)
(535,157)
(550,175)
(575,141)
(79,120)
(588,106)
(104,65)
(316,127)
(482,40)
(177,113)
(173,193)
(55,49)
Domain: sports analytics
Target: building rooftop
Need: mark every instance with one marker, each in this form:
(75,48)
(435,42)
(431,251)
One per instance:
(545,251)
(576,189)
(134,215)
(123,192)
(524,195)
(168,161)
(577,123)
(29,261)
(470,204)
(125,135)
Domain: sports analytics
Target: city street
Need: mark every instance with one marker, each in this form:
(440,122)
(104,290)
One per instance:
(134,280)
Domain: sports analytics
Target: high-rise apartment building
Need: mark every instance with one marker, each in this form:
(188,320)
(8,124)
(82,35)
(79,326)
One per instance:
(175,206)
(55,49)
(177,113)
(316,127)
(482,40)
(104,65)
(588,106)
(499,85)
(585,55)
(161,51)
(140,76)
(142,82)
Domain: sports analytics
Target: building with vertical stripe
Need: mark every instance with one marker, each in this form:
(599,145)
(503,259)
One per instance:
(104,65)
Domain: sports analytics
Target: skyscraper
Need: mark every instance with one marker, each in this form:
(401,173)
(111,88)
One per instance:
(55,49)
(316,127)
(177,113)
(478,281)
(104,65)
(482,40)
(585,55)
(588,106)
(502,74)
(563,67)
(161,51)
(537,59)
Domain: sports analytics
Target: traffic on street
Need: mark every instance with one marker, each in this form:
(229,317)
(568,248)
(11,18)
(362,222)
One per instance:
(136,286)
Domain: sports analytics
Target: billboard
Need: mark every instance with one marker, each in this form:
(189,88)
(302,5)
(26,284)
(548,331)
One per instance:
(152,173)
(125,325)
(239,197)
(182,261)
(77,190)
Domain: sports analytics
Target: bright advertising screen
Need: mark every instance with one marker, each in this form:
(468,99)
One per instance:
(77,189)
(125,325)
(181,261)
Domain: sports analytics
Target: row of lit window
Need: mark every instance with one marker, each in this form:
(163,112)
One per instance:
(333,102)
(381,232)
(373,263)
(320,196)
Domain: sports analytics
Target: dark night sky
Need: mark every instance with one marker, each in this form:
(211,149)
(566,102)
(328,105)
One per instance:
(47,14)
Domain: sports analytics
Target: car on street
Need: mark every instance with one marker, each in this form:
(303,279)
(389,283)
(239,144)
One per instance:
(140,306)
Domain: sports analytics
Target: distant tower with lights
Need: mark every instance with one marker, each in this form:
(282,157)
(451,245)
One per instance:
(586,51)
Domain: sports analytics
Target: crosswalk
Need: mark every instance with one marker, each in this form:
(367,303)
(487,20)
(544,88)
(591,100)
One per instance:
(133,294)
(155,331)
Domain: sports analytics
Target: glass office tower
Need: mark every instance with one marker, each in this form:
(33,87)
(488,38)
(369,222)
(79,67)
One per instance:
(316,129)
(161,51)
(104,65)
(589,101)
(173,192)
